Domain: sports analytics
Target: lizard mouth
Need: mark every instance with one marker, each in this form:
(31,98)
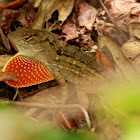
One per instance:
(13,45)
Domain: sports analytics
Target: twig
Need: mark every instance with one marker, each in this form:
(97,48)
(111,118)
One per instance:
(16,94)
(65,119)
(72,106)
(113,21)
(15,4)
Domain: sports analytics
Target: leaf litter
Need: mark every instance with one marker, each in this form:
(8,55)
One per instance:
(84,24)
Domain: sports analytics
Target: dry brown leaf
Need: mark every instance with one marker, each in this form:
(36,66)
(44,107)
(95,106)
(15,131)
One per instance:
(131,49)
(102,59)
(2,48)
(5,40)
(7,17)
(36,3)
(79,25)
(123,11)
(135,15)
(64,9)
(4,2)
(120,7)
(45,11)
(85,40)
(4,76)
(27,15)
(47,8)
(124,65)
(136,29)
(69,30)
(86,14)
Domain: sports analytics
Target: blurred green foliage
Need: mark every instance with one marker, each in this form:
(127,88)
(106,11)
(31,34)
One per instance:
(14,126)
(59,135)
(119,100)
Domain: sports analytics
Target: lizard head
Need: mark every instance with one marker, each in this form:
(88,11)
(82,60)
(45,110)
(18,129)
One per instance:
(25,65)
(26,40)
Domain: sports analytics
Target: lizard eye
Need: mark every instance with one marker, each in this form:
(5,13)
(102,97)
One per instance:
(27,38)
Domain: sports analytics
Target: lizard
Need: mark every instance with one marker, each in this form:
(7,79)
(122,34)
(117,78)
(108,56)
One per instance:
(42,57)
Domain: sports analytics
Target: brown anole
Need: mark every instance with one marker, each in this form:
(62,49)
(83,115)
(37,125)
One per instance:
(42,58)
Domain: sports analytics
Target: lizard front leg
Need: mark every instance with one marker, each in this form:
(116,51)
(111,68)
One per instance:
(65,93)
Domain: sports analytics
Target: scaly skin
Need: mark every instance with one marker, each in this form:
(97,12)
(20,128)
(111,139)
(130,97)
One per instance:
(45,47)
